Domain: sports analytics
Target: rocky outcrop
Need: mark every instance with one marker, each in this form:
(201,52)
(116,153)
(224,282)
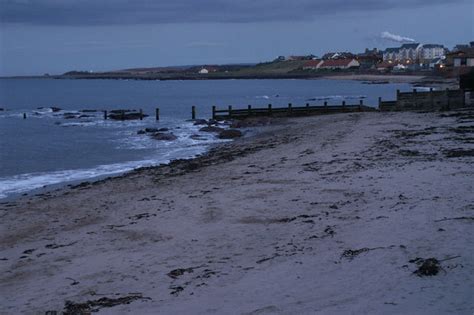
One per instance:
(161,136)
(230,134)
(211,129)
(126,114)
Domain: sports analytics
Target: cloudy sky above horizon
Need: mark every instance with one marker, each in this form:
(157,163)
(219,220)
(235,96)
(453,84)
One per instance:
(54,36)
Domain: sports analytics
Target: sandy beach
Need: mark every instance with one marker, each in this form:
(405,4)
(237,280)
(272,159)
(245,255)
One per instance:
(331,214)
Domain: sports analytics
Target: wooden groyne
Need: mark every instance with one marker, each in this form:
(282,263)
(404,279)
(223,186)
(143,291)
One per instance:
(289,111)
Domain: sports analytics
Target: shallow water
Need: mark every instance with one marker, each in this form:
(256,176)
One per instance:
(48,149)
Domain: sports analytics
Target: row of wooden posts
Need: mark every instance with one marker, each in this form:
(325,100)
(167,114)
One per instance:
(269,109)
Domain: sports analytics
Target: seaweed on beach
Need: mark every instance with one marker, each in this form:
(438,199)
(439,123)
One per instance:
(426,267)
(456,153)
(72,308)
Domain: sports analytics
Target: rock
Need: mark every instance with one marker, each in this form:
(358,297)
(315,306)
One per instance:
(125,114)
(198,122)
(70,115)
(163,129)
(141,132)
(230,134)
(89,110)
(211,129)
(212,122)
(85,116)
(2,109)
(164,136)
(55,109)
(151,130)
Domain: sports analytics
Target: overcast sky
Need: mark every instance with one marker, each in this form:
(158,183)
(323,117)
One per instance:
(54,36)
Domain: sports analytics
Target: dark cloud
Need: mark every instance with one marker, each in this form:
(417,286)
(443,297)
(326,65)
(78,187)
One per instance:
(105,12)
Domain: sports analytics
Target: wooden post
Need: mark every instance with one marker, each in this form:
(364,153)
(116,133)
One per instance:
(141,114)
(249,108)
(270,109)
(431,98)
(230,111)
(105,115)
(307,108)
(24,115)
(157,114)
(380,101)
(343,103)
(447,99)
(325,103)
(193,112)
(289,108)
(213,112)
(398,93)
(361,102)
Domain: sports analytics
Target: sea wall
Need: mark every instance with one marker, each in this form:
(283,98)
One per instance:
(431,100)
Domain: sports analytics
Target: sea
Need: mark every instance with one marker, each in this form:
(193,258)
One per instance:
(50,148)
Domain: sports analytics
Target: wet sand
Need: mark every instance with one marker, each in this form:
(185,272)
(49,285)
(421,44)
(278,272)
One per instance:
(328,214)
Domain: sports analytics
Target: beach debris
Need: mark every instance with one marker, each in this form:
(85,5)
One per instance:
(54,246)
(456,218)
(230,134)
(72,308)
(74,281)
(352,253)
(176,290)
(175,273)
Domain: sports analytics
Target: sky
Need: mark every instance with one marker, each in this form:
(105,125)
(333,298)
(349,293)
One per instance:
(55,36)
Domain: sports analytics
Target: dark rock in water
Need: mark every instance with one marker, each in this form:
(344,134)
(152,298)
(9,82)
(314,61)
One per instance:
(2,109)
(55,109)
(125,114)
(163,129)
(211,129)
(164,136)
(151,130)
(197,137)
(230,134)
(85,116)
(198,122)
(70,115)
(89,110)
(212,122)
(141,132)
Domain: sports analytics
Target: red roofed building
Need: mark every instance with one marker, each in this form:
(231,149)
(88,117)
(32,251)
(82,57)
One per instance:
(339,64)
(312,64)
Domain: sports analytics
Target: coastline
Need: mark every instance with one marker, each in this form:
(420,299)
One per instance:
(257,225)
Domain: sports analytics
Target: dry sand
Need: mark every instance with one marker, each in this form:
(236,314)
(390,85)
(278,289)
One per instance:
(317,215)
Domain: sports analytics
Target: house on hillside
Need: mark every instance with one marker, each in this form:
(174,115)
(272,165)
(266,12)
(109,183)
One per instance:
(207,70)
(391,54)
(338,55)
(312,64)
(332,64)
(461,58)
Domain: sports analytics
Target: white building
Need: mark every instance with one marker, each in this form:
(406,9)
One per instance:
(431,51)
(203,71)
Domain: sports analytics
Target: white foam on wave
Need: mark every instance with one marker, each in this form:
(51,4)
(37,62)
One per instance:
(26,182)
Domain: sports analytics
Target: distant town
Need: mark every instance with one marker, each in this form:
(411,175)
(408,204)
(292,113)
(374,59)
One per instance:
(408,58)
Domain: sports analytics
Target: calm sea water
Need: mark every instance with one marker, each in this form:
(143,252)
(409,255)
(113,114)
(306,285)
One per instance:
(47,149)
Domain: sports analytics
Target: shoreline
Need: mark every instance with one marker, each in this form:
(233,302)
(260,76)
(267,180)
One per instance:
(348,199)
